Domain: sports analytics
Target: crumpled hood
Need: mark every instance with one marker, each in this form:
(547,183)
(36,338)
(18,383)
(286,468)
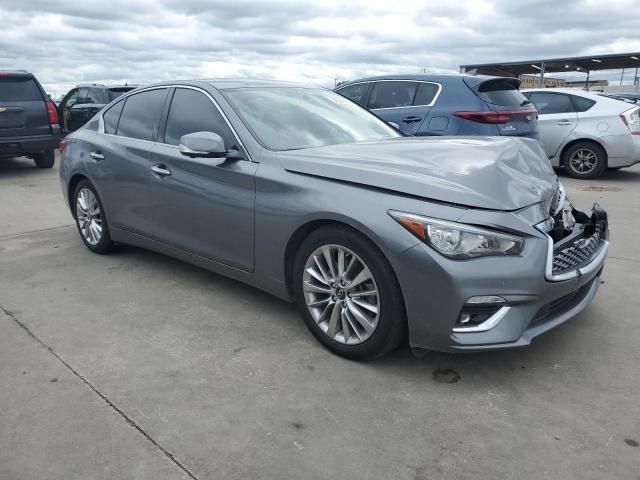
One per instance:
(494,173)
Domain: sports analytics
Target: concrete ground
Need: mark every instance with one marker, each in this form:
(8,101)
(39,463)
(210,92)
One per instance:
(137,366)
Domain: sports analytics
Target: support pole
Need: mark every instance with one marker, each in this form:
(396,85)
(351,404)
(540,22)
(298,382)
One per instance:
(541,74)
(621,76)
(588,73)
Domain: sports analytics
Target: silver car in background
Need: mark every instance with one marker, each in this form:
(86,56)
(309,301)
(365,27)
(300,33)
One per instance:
(457,243)
(586,133)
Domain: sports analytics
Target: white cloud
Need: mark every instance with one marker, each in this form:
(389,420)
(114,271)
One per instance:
(68,42)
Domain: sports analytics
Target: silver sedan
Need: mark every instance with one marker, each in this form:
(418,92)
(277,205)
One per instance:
(455,244)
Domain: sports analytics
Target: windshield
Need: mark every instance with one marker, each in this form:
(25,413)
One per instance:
(291,118)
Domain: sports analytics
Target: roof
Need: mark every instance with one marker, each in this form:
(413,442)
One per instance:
(224,83)
(100,85)
(440,78)
(553,65)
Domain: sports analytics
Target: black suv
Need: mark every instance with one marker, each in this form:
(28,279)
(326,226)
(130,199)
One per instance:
(84,101)
(28,119)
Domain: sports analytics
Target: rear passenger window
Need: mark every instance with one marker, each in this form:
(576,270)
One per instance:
(192,111)
(19,89)
(392,94)
(141,115)
(111,117)
(582,104)
(354,92)
(426,93)
(547,103)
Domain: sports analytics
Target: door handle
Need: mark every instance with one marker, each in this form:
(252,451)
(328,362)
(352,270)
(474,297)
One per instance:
(96,156)
(161,170)
(564,122)
(411,119)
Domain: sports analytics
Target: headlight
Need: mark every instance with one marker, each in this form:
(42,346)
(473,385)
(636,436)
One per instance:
(456,240)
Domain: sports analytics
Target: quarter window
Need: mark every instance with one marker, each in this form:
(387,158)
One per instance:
(192,111)
(426,93)
(547,103)
(582,104)
(111,117)
(392,94)
(141,114)
(355,92)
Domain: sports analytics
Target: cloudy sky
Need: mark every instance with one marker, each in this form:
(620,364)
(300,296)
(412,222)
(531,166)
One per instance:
(65,42)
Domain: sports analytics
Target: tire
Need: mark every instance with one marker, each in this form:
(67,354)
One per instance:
(589,156)
(90,210)
(385,330)
(45,159)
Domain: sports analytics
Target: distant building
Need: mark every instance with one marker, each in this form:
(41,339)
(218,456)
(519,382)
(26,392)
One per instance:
(533,81)
(583,83)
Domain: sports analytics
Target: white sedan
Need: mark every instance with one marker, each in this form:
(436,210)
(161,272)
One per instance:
(585,132)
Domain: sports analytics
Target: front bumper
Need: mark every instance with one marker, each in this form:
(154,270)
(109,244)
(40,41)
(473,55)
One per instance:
(436,290)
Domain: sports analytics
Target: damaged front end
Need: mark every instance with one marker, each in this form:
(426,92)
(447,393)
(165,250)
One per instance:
(577,241)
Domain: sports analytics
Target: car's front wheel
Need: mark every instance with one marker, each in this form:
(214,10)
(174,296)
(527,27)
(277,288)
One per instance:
(585,160)
(90,218)
(348,294)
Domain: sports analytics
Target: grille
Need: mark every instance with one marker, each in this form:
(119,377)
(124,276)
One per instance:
(578,253)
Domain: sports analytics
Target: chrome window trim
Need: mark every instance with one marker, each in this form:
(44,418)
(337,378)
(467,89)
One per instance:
(433,102)
(595,263)
(488,324)
(157,87)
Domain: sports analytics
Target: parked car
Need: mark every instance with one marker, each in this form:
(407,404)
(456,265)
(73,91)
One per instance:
(586,133)
(28,119)
(81,103)
(447,104)
(467,243)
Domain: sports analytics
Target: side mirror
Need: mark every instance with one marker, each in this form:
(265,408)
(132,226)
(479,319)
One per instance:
(203,144)
(394,125)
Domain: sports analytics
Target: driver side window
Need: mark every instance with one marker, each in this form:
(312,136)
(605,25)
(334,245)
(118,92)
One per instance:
(192,111)
(72,99)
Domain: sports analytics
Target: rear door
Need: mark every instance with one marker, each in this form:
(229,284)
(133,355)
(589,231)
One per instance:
(557,118)
(23,111)
(393,101)
(202,205)
(120,160)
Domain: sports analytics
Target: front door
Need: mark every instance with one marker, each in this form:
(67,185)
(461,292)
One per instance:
(556,119)
(204,206)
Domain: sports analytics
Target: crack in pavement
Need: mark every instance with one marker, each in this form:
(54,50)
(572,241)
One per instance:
(112,405)
(36,231)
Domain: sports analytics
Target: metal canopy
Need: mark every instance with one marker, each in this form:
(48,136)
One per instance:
(554,65)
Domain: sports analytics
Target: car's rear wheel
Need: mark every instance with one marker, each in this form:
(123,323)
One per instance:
(348,294)
(90,218)
(44,159)
(585,160)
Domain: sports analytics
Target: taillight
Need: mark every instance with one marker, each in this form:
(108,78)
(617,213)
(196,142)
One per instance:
(631,119)
(494,117)
(62,145)
(52,113)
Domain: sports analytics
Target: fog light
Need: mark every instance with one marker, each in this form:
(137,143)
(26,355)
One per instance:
(485,299)
(480,318)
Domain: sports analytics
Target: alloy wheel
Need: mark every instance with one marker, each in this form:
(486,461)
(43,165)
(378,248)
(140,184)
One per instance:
(89,216)
(341,294)
(583,161)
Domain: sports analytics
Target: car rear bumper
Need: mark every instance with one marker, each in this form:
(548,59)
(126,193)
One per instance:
(17,146)
(437,290)
(622,150)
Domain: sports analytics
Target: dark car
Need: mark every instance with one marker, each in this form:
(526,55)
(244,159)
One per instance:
(82,102)
(447,104)
(28,119)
